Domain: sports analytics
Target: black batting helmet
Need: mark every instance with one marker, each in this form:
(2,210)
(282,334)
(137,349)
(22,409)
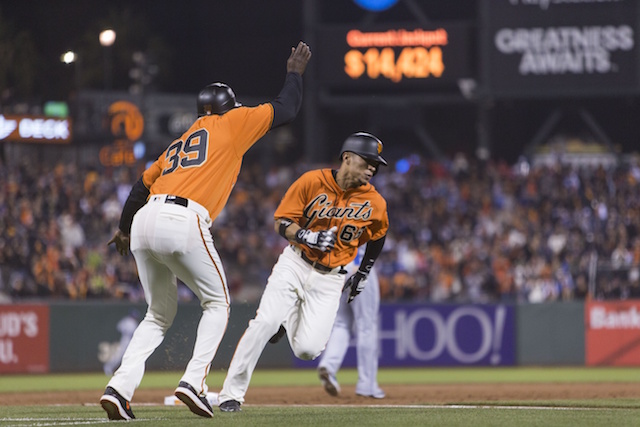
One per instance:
(216,98)
(364,145)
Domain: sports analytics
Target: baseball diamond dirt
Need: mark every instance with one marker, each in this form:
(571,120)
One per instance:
(397,394)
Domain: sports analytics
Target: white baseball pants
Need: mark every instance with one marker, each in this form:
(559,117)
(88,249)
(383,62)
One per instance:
(169,240)
(301,299)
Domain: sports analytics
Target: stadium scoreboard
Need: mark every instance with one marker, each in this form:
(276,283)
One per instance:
(394,56)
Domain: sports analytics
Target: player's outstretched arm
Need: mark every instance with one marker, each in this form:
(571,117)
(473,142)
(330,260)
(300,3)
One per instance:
(288,102)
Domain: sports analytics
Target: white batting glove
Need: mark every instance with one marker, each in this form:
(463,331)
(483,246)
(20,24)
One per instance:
(323,240)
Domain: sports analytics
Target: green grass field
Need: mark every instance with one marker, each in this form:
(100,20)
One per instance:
(586,412)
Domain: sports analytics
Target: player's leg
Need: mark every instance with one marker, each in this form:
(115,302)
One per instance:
(161,294)
(151,231)
(311,328)
(280,297)
(200,268)
(365,313)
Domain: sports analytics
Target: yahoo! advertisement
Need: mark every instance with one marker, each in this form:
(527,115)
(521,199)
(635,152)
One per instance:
(442,335)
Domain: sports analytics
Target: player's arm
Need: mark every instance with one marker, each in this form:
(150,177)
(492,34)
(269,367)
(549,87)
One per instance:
(358,280)
(323,240)
(137,198)
(288,102)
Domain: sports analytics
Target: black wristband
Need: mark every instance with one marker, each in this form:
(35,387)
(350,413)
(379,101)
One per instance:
(284,224)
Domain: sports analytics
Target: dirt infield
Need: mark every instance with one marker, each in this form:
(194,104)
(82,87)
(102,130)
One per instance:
(396,394)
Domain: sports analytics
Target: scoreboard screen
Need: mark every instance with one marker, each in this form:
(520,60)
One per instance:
(397,56)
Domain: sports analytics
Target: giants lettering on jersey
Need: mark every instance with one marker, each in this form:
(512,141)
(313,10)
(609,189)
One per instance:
(321,207)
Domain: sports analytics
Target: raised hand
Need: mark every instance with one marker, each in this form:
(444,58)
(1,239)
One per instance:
(299,58)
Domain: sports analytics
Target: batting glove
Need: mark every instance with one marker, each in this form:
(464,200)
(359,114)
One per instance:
(356,283)
(323,240)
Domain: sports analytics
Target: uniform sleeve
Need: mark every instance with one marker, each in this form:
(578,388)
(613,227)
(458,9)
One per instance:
(293,203)
(153,172)
(249,124)
(380,226)
(288,102)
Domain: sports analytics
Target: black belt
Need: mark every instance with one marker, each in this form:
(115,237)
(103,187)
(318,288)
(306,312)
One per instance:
(177,200)
(317,266)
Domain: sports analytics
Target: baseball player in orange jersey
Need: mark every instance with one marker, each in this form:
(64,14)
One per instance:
(326,215)
(168,215)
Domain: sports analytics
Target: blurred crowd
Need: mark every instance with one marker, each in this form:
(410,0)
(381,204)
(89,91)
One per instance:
(461,231)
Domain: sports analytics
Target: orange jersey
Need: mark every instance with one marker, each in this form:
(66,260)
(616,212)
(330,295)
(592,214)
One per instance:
(203,164)
(316,202)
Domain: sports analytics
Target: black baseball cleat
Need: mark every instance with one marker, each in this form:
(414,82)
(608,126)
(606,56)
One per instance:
(116,406)
(196,403)
(230,406)
(278,335)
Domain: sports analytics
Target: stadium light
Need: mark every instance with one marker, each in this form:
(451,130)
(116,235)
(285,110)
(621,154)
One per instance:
(107,37)
(68,57)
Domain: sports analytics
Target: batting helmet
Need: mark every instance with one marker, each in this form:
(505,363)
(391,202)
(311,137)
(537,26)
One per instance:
(364,145)
(216,98)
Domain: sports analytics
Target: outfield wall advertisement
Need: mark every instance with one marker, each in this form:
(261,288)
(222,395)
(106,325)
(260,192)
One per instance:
(442,335)
(447,335)
(613,333)
(24,338)
(71,337)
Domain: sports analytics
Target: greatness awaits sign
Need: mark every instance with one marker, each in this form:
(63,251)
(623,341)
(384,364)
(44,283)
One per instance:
(561,46)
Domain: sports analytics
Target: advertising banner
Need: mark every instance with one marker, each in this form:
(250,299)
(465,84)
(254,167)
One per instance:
(24,339)
(613,333)
(561,47)
(41,129)
(442,335)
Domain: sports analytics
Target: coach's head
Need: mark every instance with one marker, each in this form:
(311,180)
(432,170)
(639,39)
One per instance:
(216,98)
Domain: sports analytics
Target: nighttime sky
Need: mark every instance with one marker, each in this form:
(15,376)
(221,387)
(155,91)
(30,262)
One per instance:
(243,42)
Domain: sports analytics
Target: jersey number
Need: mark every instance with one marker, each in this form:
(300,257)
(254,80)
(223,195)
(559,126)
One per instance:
(351,232)
(192,152)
